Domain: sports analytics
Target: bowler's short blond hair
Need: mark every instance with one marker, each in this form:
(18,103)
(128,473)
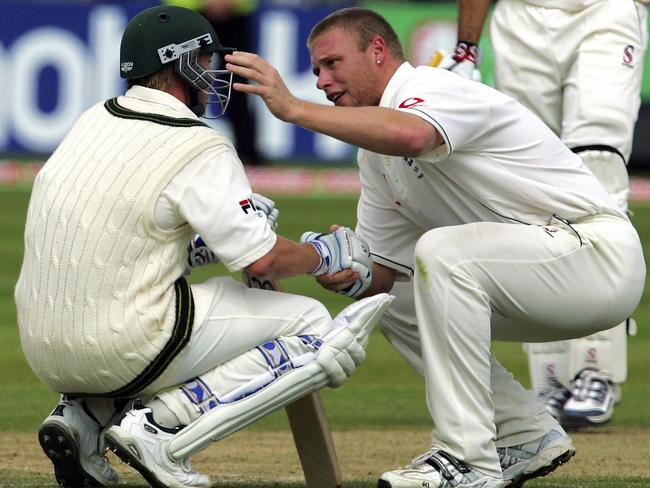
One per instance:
(364,24)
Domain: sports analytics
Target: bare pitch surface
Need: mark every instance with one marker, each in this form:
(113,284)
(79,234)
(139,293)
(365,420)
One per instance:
(604,458)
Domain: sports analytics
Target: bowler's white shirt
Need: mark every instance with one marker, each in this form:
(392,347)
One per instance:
(499,163)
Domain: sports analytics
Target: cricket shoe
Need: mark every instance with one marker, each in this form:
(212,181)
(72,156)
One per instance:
(143,444)
(69,436)
(592,400)
(437,469)
(554,395)
(535,458)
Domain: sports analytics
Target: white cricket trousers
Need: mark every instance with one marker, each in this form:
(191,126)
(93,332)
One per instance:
(232,319)
(580,72)
(519,416)
(483,281)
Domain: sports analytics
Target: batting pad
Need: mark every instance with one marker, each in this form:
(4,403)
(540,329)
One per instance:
(220,422)
(216,423)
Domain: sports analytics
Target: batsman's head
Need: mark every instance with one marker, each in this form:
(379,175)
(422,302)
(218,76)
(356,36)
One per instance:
(166,41)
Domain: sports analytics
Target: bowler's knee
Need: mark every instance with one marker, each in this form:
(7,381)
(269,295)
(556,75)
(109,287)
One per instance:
(435,249)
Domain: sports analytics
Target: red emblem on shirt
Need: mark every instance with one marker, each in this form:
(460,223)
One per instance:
(409,102)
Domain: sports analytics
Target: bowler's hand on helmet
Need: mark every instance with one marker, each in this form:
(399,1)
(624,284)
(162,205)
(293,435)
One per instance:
(269,85)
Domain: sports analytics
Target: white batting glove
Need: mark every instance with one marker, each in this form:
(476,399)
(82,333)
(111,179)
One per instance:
(199,254)
(342,249)
(267,206)
(463,62)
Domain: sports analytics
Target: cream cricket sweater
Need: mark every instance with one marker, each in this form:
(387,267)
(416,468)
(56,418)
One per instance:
(102,305)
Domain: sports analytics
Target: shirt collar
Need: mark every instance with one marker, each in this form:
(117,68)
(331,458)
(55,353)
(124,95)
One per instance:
(151,95)
(399,77)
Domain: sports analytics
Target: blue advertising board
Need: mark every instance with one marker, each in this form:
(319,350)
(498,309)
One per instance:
(56,59)
(59,58)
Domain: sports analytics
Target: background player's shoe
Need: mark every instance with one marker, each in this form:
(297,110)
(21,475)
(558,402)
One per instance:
(140,442)
(69,436)
(554,396)
(592,400)
(437,469)
(535,458)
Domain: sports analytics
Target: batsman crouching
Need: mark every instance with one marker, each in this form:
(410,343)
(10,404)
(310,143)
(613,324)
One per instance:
(155,367)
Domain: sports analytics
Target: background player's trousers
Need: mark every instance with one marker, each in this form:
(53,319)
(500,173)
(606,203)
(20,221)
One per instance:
(580,72)
(483,281)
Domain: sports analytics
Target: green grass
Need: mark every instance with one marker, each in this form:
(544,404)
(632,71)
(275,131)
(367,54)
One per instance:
(383,394)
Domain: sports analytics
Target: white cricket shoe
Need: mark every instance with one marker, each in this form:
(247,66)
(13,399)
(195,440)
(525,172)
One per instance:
(535,458)
(554,395)
(437,469)
(69,436)
(592,400)
(143,444)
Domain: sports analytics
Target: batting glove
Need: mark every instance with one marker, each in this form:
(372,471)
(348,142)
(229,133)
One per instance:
(463,62)
(266,206)
(342,249)
(198,252)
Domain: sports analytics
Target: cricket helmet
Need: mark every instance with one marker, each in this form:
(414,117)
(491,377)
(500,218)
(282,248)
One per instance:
(169,34)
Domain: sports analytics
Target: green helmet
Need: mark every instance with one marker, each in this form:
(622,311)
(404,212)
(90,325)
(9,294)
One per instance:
(165,34)
(159,35)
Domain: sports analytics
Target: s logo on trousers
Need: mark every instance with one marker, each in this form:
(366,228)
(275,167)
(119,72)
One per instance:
(628,55)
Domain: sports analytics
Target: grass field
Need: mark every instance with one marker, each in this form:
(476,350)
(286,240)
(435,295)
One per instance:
(379,417)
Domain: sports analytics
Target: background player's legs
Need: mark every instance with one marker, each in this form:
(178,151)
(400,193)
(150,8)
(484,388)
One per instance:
(599,70)
(601,102)
(525,60)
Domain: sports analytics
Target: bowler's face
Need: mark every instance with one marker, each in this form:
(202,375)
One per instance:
(346,74)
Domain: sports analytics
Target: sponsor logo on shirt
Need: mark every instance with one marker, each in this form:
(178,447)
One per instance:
(414,167)
(247,205)
(411,102)
(550,230)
